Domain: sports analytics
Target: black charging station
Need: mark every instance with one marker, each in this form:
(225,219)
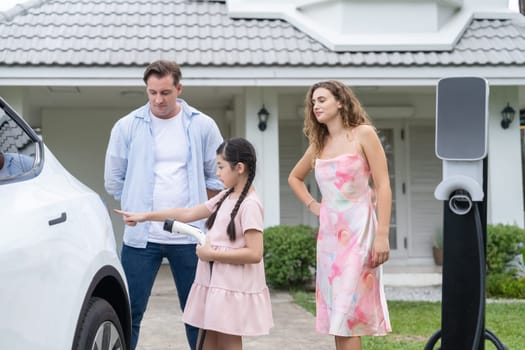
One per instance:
(461,143)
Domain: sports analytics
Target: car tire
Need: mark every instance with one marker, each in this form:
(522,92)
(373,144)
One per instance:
(100,328)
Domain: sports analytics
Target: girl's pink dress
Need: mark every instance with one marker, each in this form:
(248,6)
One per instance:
(349,293)
(235,298)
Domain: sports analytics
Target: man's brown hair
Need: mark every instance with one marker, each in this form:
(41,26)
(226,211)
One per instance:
(162,68)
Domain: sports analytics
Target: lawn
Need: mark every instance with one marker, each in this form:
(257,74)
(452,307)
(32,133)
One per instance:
(414,322)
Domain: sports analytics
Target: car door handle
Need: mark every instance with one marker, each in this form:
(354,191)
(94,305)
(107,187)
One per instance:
(62,218)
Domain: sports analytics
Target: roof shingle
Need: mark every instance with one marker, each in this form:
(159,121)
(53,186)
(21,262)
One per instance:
(134,32)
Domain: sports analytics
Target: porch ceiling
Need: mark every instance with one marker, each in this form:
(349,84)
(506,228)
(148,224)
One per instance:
(204,97)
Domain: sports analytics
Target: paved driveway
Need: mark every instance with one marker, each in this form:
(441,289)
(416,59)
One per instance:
(162,328)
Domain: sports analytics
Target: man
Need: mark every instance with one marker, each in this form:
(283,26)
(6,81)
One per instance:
(161,156)
(12,164)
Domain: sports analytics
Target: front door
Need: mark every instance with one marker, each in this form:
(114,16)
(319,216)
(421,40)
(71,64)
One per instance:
(392,136)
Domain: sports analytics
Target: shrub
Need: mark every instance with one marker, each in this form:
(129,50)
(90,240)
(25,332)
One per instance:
(504,242)
(502,285)
(289,255)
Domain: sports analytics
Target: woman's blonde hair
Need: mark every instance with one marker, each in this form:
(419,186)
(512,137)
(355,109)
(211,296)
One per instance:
(351,111)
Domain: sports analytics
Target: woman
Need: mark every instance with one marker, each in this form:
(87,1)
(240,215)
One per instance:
(352,243)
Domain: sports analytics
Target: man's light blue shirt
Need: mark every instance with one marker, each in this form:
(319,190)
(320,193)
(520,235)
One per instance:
(16,164)
(129,165)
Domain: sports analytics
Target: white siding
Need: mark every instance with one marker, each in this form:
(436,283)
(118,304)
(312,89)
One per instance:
(425,174)
(292,144)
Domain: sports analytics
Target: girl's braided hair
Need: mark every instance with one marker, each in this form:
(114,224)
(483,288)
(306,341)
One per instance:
(235,150)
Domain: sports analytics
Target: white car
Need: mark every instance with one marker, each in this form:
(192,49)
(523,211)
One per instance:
(61,282)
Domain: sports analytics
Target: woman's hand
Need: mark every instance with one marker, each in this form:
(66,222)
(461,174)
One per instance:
(315,208)
(205,251)
(380,251)
(130,218)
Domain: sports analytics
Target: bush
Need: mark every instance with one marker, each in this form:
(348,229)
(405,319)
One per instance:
(504,242)
(505,286)
(289,255)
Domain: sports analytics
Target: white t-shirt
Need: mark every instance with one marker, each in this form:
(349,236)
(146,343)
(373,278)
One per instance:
(171,175)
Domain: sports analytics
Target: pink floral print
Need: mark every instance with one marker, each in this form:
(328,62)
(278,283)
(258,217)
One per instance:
(349,293)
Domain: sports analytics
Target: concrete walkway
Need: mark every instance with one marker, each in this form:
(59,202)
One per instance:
(162,328)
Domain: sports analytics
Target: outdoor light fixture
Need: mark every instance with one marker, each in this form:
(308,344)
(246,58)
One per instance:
(507,116)
(263,115)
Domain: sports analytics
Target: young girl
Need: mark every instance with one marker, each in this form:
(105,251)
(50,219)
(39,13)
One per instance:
(352,243)
(232,300)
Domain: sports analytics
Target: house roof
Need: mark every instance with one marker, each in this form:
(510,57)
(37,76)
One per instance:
(200,33)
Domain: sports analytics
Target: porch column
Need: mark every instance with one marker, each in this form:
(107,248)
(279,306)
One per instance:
(266,145)
(505,189)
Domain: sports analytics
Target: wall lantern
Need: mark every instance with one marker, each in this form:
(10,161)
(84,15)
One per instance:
(263,115)
(507,116)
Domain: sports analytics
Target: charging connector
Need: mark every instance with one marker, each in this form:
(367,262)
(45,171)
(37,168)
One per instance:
(460,202)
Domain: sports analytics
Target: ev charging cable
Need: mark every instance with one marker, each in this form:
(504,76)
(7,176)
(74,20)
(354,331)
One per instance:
(175,226)
(460,203)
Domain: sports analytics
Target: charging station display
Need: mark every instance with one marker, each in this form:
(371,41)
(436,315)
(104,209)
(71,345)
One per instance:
(461,123)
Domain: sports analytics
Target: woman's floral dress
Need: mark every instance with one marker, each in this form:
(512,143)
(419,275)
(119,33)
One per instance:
(349,293)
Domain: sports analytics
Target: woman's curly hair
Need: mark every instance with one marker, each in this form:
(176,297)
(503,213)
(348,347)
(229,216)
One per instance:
(351,111)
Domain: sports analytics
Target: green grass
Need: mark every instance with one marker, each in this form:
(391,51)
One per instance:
(414,322)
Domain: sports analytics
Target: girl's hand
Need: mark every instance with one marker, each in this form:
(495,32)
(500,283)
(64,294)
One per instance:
(380,251)
(130,218)
(315,208)
(205,252)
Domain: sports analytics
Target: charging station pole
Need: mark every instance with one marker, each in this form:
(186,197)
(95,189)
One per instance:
(461,143)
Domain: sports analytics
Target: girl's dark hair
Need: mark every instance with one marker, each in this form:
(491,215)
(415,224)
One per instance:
(235,150)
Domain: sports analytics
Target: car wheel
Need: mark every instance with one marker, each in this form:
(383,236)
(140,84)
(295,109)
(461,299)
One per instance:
(100,328)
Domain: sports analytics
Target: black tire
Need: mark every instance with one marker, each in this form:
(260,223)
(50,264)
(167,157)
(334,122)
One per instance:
(100,328)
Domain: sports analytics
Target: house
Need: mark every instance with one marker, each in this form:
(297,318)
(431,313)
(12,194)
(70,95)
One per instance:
(73,67)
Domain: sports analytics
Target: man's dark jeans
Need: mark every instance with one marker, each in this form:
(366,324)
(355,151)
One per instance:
(141,266)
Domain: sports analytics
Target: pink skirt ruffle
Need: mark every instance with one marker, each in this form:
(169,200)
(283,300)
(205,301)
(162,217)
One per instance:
(234,299)
(229,312)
